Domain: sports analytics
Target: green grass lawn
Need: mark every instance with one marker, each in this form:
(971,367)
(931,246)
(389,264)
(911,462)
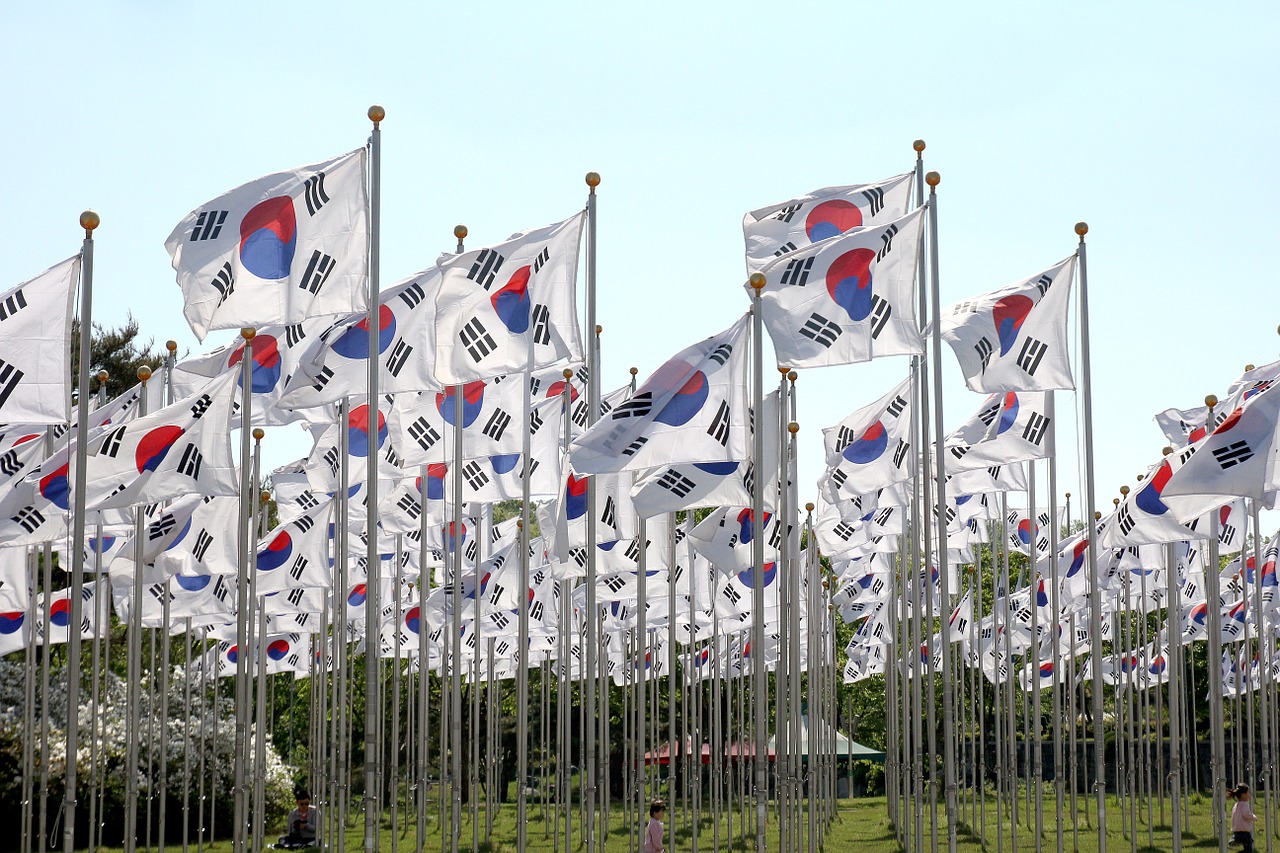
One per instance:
(860,825)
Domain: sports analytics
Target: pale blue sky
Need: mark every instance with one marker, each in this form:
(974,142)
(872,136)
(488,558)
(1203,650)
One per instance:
(1154,122)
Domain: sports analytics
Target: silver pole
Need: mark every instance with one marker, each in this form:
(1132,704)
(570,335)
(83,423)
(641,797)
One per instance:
(372,685)
(1090,519)
(1174,635)
(761,697)
(593,621)
(162,798)
(239,839)
(88,221)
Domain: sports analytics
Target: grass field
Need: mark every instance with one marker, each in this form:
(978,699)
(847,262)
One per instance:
(860,825)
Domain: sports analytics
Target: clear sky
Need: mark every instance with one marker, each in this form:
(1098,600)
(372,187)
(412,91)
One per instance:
(1154,122)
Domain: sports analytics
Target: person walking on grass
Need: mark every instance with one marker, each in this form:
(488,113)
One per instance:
(1242,819)
(653,831)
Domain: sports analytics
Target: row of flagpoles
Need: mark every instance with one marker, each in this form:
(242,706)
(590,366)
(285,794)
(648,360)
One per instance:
(470,383)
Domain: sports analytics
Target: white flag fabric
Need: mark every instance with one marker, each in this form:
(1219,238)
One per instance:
(35,328)
(870,448)
(692,409)
(56,613)
(780,229)
(509,307)
(1010,427)
(1015,338)
(277,250)
(846,300)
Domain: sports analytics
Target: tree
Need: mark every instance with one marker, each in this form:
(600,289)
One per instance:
(117,350)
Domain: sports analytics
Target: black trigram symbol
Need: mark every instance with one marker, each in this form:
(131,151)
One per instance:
(896,406)
(637,407)
(295,598)
(900,453)
(294,335)
(476,339)
(844,438)
(785,248)
(838,478)
(304,523)
(615,583)
(496,425)
(474,475)
(1124,518)
(12,304)
(719,429)
(313,191)
(541,317)
(967,307)
(399,357)
(732,594)
(535,610)
(208,225)
(1034,432)
(412,294)
(633,550)
(224,282)
(423,433)
(541,261)
(29,518)
(319,268)
(535,422)
(820,330)
(960,451)
(322,378)
(1043,283)
(191,461)
(111,443)
(676,483)
(610,514)
(886,240)
(786,213)
(409,505)
(9,464)
(984,349)
(881,311)
(883,516)
(1233,454)
(634,447)
(797,272)
(161,526)
(875,199)
(844,530)
(299,566)
(749,478)
(1227,534)
(721,354)
(485,267)
(1030,355)
(203,541)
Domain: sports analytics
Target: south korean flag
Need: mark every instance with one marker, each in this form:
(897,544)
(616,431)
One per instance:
(846,300)
(871,447)
(509,307)
(1015,338)
(35,327)
(277,250)
(781,229)
(1010,427)
(692,409)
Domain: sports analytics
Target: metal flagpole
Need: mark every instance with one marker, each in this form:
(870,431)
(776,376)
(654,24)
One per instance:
(95,706)
(246,544)
(424,668)
(592,617)
(372,685)
(1090,516)
(88,221)
(453,552)
(1217,741)
(1174,636)
(1055,605)
(948,729)
(135,656)
(761,697)
(162,798)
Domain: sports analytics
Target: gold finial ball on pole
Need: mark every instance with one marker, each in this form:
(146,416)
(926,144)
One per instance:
(783,370)
(634,371)
(248,333)
(758,281)
(1082,228)
(519,524)
(1211,400)
(1115,502)
(599,328)
(793,427)
(1248,367)
(264,496)
(1068,496)
(808,507)
(793,376)
(1167,450)
(933,179)
(376,113)
(1124,490)
(593,179)
(568,374)
(918,146)
(258,434)
(103,376)
(89,221)
(171,346)
(144,373)
(460,231)
(1097,516)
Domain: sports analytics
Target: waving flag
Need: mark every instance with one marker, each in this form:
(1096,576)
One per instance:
(846,300)
(55,614)
(277,250)
(726,535)
(35,330)
(692,409)
(296,555)
(870,448)
(781,229)
(1015,338)
(509,307)
(1010,427)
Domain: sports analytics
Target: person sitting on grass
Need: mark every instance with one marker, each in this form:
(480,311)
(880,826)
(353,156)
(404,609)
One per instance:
(302,824)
